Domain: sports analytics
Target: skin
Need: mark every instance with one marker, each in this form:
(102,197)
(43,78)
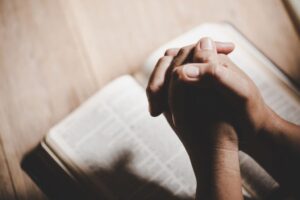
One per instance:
(196,88)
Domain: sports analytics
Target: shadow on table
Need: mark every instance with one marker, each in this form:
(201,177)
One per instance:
(125,184)
(121,181)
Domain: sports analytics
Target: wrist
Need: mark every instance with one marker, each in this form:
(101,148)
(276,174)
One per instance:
(223,137)
(217,152)
(218,166)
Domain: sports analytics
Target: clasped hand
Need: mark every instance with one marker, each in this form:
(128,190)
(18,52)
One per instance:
(198,86)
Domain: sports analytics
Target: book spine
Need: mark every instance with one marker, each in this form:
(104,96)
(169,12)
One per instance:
(50,177)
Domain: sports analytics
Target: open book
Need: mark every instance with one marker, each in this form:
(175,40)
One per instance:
(111,148)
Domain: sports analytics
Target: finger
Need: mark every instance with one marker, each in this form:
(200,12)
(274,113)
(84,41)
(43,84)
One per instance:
(224,47)
(161,102)
(176,101)
(205,51)
(155,88)
(194,72)
(183,54)
(172,52)
(157,83)
(159,80)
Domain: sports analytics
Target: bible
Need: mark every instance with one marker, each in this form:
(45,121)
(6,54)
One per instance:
(111,148)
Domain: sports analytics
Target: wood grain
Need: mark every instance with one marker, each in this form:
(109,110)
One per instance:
(56,53)
(6,190)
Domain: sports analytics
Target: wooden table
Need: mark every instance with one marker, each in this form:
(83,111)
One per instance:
(56,53)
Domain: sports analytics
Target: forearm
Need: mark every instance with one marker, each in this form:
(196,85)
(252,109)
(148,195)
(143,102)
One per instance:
(276,148)
(217,165)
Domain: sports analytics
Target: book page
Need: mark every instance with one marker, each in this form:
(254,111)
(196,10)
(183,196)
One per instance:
(124,152)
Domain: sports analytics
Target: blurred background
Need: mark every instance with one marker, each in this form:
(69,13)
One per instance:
(54,54)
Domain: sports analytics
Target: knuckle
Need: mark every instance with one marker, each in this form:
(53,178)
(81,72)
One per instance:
(183,50)
(164,59)
(170,52)
(176,62)
(161,59)
(152,89)
(155,87)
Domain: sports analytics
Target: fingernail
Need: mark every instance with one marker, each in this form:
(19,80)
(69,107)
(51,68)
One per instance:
(191,71)
(206,44)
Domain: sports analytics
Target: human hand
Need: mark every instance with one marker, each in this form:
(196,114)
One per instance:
(198,117)
(236,98)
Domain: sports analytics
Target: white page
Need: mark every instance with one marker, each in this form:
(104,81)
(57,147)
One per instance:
(125,152)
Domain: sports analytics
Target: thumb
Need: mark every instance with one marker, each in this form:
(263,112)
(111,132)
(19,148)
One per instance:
(204,50)
(225,78)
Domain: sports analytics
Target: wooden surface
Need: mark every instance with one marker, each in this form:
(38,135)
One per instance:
(54,54)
